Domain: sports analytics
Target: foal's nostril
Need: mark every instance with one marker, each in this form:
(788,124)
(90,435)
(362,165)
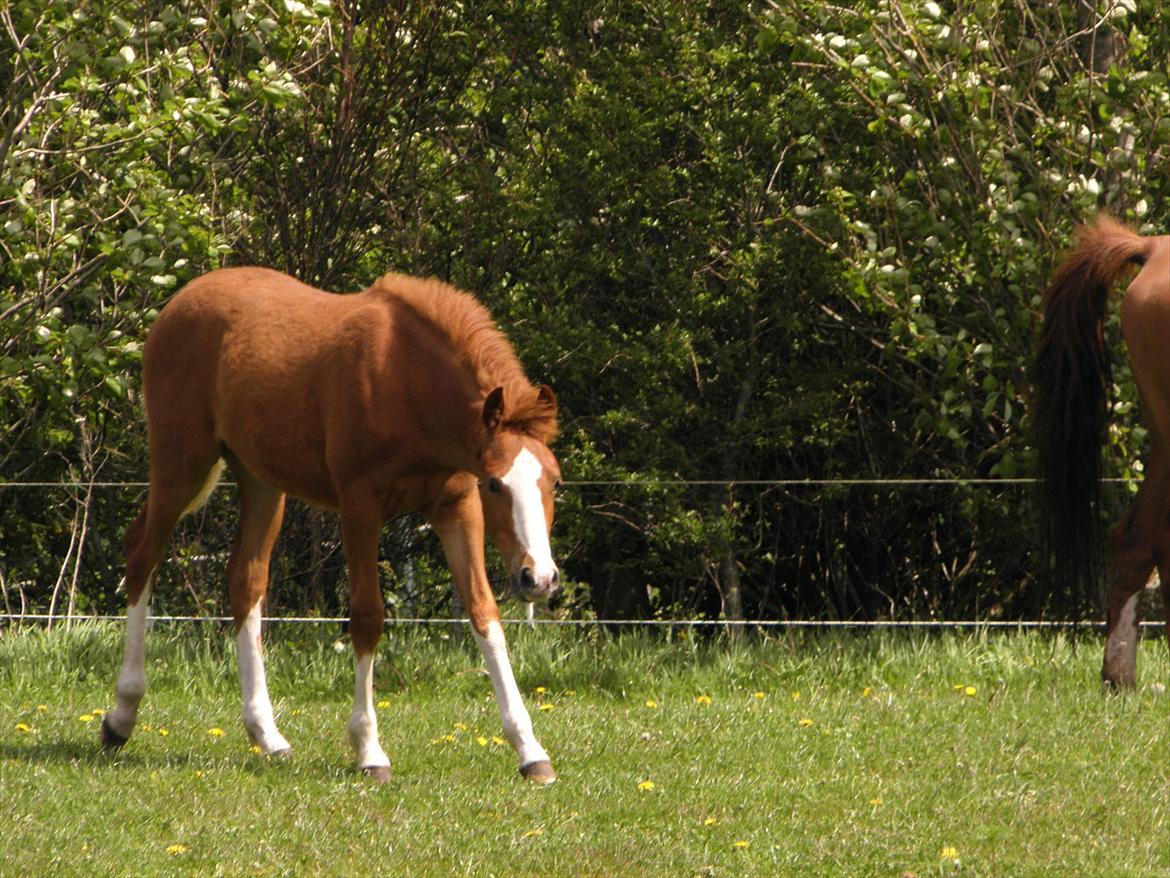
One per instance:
(527,580)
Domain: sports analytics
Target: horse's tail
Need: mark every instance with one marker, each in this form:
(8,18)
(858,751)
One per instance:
(1072,385)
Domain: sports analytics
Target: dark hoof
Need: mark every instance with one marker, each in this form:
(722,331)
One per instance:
(377,773)
(1117,684)
(538,772)
(111,740)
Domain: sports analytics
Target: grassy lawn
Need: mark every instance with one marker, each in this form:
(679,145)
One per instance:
(830,754)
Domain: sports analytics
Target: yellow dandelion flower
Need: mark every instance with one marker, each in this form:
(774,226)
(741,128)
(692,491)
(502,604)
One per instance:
(147,727)
(215,732)
(497,740)
(42,708)
(532,833)
(450,739)
(969,691)
(650,702)
(796,695)
(545,706)
(460,726)
(255,748)
(384,703)
(177,849)
(958,687)
(702,699)
(164,732)
(710,821)
(741,844)
(948,853)
(154,775)
(876,800)
(97,711)
(646,785)
(23,728)
(199,773)
(86,717)
(806,721)
(866,692)
(759,696)
(540,690)
(481,740)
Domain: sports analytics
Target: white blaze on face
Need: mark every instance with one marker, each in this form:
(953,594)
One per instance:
(528,522)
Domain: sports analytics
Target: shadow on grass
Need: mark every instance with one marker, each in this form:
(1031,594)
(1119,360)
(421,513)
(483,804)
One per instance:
(64,750)
(78,752)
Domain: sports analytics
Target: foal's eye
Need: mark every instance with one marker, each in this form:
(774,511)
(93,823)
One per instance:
(494,486)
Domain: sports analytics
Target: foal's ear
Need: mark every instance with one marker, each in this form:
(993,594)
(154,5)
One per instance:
(545,395)
(493,410)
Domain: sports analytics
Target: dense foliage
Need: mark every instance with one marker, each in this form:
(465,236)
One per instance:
(788,241)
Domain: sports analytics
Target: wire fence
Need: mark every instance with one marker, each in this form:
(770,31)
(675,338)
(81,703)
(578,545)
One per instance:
(904,481)
(70,617)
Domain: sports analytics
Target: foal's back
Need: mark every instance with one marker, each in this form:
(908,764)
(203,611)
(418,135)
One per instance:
(256,362)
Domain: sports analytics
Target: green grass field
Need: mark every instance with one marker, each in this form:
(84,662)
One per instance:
(842,754)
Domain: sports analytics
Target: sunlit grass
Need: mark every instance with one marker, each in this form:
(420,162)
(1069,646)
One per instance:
(833,754)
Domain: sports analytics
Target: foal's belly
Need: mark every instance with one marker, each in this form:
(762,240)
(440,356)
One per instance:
(273,424)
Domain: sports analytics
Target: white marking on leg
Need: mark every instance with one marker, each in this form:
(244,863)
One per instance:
(258,717)
(131,686)
(528,521)
(363,723)
(513,714)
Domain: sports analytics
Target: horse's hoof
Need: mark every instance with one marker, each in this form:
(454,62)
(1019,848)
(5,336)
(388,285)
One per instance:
(1113,685)
(282,754)
(540,772)
(111,740)
(377,773)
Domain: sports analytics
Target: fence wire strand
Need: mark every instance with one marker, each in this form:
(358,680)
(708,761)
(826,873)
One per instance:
(956,624)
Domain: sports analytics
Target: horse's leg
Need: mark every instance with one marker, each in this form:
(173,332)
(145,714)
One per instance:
(1132,555)
(361,521)
(261,512)
(459,525)
(173,492)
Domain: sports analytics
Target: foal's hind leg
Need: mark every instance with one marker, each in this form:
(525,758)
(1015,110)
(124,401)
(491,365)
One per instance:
(1132,557)
(361,522)
(173,493)
(261,512)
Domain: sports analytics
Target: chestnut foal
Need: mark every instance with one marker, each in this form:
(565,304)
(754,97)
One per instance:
(404,397)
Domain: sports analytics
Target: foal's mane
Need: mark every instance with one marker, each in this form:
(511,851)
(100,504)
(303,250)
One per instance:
(474,339)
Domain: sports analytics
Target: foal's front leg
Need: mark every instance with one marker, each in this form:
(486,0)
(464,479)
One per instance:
(460,529)
(360,524)
(534,761)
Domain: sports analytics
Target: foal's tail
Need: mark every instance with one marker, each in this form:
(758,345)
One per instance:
(1071,376)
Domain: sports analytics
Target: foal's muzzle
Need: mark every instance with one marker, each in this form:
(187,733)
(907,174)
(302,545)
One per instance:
(529,588)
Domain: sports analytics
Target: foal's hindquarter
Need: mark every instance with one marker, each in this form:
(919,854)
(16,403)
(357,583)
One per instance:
(355,403)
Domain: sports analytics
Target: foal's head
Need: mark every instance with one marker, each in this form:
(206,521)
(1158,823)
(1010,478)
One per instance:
(520,476)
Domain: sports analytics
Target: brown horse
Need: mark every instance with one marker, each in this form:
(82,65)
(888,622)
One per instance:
(404,397)
(1071,417)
